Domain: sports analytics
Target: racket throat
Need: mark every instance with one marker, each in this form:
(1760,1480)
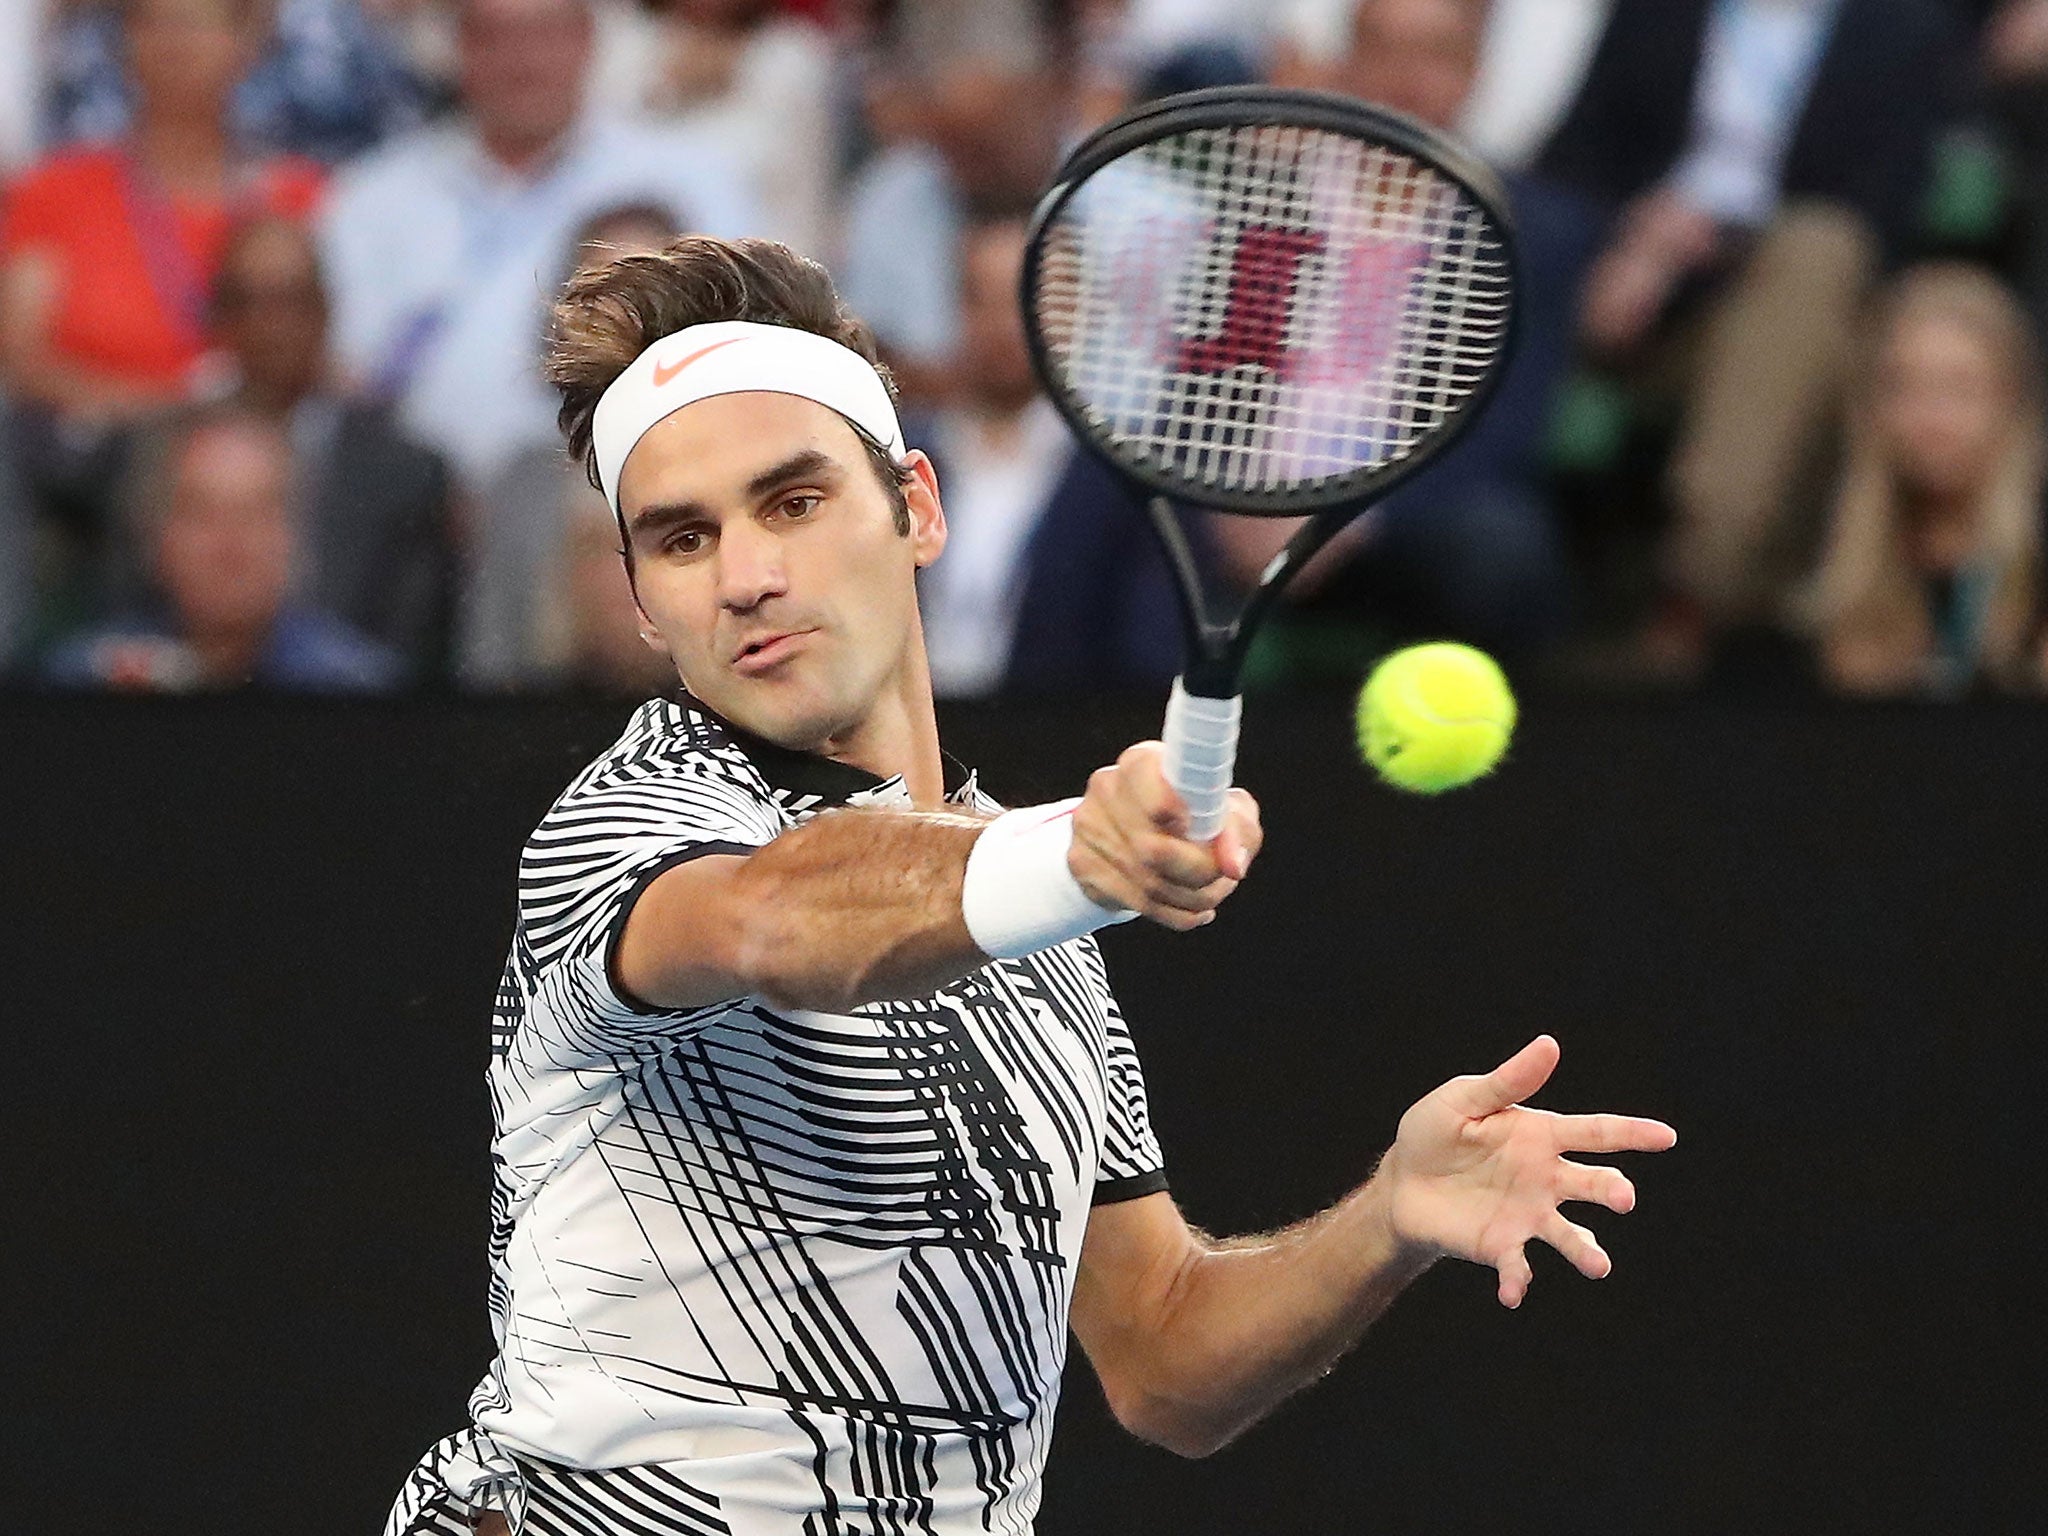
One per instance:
(1212,671)
(1212,643)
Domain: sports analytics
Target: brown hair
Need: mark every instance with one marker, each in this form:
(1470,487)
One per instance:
(608,315)
(1869,597)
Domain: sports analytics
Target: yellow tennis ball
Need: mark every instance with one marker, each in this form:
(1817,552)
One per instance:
(1433,717)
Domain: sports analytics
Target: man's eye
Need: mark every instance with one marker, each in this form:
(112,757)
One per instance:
(688,542)
(800,506)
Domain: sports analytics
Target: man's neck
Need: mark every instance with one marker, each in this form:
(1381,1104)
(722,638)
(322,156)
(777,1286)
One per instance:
(998,423)
(276,398)
(523,157)
(900,736)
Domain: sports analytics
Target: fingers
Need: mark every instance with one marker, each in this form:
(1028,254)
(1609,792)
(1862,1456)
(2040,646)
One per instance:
(1515,1276)
(1140,784)
(1613,1133)
(1115,873)
(1242,836)
(1595,1186)
(1508,1084)
(1130,848)
(1580,1247)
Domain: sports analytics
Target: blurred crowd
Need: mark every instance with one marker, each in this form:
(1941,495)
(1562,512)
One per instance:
(274,277)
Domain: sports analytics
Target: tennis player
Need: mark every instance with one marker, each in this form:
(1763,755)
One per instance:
(817,1124)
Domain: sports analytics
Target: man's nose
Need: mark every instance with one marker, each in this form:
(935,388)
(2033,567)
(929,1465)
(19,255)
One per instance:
(750,567)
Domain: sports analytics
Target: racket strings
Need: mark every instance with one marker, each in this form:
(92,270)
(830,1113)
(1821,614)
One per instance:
(1265,309)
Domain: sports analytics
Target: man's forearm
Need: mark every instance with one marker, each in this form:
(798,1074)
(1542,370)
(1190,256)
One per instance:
(1248,1322)
(850,908)
(860,906)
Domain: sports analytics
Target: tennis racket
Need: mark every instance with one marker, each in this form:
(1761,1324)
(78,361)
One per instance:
(1271,302)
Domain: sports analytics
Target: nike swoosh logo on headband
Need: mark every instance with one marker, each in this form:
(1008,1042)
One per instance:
(663,372)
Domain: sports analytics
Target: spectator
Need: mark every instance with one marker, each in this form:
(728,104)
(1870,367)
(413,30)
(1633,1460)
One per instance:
(222,555)
(1763,158)
(1051,580)
(590,625)
(375,531)
(1931,580)
(759,84)
(438,244)
(972,124)
(333,81)
(108,253)
(510,633)
(1470,548)
(1000,449)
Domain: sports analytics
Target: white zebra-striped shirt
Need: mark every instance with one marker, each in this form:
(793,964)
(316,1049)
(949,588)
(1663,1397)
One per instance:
(760,1270)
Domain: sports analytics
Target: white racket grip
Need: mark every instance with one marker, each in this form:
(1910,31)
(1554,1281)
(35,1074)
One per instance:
(1019,895)
(1201,755)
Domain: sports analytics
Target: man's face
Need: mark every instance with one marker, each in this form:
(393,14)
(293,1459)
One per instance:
(272,310)
(522,66)
(994,125)
(1417,56)
(1944,406)
(769,564)
(995,358)
(224,547)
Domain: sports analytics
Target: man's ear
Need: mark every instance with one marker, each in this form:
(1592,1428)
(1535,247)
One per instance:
(648,632)
(927,514)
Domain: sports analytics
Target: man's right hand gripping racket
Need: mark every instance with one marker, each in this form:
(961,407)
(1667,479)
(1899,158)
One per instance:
(1272,302)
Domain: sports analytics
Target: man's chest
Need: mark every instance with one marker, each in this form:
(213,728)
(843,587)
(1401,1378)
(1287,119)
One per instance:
(973,1119)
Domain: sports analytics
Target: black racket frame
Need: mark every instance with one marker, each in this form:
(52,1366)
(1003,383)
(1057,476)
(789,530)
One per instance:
(1216,645)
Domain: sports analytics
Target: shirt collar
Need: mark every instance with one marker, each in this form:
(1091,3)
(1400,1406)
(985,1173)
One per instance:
(806,780)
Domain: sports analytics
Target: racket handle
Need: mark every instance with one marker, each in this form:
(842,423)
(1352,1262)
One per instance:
(1201,753)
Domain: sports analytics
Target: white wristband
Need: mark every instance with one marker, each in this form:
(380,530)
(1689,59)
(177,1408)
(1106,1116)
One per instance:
(1019,896)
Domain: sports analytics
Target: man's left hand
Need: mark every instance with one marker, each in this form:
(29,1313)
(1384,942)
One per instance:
(1476,1174)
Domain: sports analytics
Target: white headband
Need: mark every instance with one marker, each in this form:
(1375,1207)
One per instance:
(734,357)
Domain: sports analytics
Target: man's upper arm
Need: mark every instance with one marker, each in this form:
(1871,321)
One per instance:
(678,945)
(606,844)
(1133,1259)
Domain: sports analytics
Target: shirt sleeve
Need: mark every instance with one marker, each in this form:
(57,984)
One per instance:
(1132,1164)
(583,869)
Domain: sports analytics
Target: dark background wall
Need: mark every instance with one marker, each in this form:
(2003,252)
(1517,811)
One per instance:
(246,953)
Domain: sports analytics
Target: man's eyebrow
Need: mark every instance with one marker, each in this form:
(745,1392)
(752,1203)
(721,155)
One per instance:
(664,515)
(811,463)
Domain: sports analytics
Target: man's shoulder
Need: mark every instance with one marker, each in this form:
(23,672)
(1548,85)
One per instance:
(397,169)
(671,739)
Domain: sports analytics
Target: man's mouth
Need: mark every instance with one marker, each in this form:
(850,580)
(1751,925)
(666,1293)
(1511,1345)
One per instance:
(770,650)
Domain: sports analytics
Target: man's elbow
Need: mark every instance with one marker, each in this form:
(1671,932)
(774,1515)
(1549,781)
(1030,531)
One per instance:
(766,947)
(778,974)
(1174,1426)
(773,963)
